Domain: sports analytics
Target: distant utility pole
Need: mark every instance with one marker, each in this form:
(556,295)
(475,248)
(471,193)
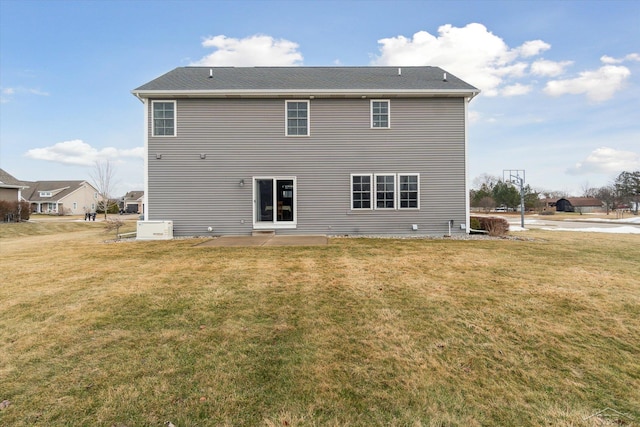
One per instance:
(516,176)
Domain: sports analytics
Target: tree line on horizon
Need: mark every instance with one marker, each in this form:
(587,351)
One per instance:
(490,192)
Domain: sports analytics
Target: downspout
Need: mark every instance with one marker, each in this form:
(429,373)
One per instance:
(466,163)
(145,198)
(138,96)
(467,199)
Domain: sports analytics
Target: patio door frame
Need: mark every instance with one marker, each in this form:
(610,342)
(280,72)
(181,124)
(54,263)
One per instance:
(275,223)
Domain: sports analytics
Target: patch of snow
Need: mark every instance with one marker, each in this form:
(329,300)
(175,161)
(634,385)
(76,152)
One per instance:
(618,230)
(632,220)
(533,221)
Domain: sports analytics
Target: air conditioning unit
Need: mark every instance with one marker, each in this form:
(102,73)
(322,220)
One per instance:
(154,230)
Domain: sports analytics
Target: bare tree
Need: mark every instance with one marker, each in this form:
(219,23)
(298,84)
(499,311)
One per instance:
(487,203)
(103,179)
(588,191)
(485,180)
(114,225)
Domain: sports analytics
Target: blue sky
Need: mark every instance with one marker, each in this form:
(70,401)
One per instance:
(560,80)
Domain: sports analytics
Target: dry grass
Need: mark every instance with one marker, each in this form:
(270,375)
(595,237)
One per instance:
(360,332)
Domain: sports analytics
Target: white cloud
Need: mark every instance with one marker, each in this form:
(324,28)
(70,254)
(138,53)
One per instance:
(78,152)
(607,160)
(533,48)
(610,60)
(472,53)
(543,67)
(516,89)
(7,93)
(599,85)
(474,116)
(251,51)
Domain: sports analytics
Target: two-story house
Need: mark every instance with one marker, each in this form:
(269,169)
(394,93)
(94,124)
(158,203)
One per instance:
(307,150)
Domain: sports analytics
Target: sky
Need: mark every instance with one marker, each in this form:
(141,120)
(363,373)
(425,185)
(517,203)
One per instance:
(560,80)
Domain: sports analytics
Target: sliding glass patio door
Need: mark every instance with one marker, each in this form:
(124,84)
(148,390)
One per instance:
(274,202)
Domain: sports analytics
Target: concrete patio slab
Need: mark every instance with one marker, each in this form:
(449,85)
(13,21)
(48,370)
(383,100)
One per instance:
(266,240)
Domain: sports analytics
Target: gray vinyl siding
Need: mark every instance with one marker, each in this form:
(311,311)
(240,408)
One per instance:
(245,138)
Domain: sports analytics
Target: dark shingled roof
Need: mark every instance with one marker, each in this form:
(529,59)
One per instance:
(306,79)
(9,181)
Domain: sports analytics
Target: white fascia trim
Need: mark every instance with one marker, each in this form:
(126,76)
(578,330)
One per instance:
(305,93)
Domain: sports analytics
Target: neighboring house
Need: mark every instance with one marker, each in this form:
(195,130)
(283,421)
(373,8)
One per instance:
(11,188)
(307,150)
(132,202)
(578,204)
(62,197)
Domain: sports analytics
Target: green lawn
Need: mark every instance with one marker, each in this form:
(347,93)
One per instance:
(360,332)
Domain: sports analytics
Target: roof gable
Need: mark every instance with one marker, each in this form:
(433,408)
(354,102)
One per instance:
(133,195)
(59,189)
(9,181)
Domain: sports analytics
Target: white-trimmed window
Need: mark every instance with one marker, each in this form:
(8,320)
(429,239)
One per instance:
(297,118)
(46,194)
(380,113)
(409,191)
(361,194)
(163,118)
(385,191)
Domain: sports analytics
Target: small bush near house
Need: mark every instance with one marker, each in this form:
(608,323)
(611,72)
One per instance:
(475,223)
(494,226)
(14,211)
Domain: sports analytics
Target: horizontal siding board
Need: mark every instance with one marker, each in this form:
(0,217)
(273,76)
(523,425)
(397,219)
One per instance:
(244,138)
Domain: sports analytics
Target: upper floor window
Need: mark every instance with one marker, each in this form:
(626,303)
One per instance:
(46,194)
(297,118)
(380,114)
(164,118)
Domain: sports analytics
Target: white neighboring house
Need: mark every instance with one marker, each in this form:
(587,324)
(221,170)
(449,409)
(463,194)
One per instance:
(62,197)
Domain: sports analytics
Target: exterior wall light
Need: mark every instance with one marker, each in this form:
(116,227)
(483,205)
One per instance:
(241,183)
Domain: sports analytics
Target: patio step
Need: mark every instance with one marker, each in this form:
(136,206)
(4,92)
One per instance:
(263,233)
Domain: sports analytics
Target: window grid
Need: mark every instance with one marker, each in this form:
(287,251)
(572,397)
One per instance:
(380,114)
(297,118)
(385,192)
(408,188)
(164,118)
(361,191)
